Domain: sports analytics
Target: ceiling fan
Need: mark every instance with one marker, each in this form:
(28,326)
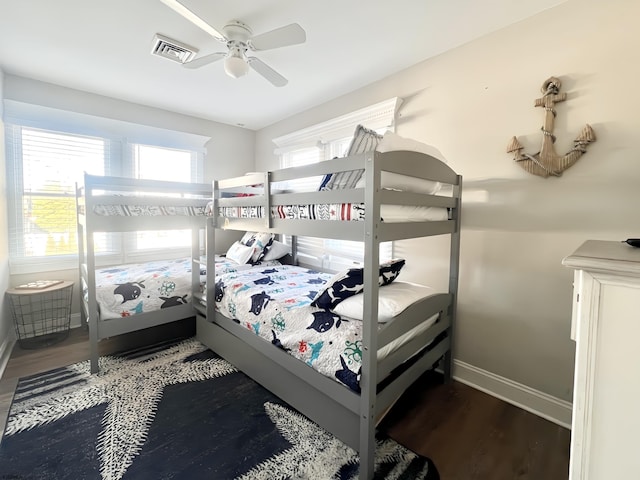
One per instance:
(239,38)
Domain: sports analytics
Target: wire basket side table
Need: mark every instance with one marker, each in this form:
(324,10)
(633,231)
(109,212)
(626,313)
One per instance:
(42,317)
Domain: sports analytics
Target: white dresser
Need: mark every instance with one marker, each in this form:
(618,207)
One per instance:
(605,437)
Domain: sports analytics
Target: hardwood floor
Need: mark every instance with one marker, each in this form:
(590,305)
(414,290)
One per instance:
(468,434)
(473,436)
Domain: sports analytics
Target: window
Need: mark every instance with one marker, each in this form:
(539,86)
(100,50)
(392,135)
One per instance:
(158,163)
(323,142)
(43,166)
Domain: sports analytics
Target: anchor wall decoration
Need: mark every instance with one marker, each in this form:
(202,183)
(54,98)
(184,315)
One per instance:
(547,162)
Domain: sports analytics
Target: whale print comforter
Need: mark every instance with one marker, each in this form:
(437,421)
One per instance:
(274,303)
(128,290)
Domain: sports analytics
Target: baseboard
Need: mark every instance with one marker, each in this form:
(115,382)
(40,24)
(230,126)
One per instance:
(533,401)
(5,352)
(75,320)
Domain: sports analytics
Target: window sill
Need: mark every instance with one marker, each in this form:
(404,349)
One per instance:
(22,266)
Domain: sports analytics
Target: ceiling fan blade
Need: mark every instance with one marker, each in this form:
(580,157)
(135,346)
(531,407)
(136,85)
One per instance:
(193,18)
(280,37)
(205,60)
(267,72)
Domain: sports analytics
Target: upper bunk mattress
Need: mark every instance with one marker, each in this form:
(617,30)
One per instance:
(338,211)
(129,210)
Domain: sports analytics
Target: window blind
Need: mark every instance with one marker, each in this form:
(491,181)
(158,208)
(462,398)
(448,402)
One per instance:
(44,167)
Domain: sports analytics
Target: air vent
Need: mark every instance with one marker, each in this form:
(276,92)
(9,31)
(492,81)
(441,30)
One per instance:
(172,49)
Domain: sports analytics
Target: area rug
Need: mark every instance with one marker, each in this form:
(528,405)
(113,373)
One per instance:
(175,411)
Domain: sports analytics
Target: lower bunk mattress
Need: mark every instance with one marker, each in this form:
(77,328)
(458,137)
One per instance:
(128,290)
(275,304)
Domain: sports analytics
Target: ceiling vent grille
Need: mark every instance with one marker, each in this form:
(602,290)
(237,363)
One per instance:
(172,49)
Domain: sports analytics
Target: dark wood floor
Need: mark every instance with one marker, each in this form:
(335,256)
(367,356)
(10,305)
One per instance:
(473,436)
(468,434)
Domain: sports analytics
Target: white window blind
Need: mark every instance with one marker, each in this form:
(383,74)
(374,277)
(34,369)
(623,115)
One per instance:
(43,168)
(322,142)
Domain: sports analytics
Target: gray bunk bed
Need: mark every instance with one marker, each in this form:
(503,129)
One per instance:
(118,204)
(350,416)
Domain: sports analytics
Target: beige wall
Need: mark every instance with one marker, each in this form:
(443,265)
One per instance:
(230,151)
(514,296)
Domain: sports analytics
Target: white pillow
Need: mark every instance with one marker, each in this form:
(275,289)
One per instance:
(393,299)
(394,181)
(276,250)
(390,141)
(259,241)
(239,253)
(404,183)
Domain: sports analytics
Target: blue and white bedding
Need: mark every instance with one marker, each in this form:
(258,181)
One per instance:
(128,290)
(346,212)
(150,210)
(275,304)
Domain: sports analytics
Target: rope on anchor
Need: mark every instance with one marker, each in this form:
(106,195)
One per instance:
(580,146)
(548,134)
(526,156)
(552,89)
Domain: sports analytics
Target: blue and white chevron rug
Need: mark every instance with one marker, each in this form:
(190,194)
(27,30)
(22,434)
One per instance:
(176,411)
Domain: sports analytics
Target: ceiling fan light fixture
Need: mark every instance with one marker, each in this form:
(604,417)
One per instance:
(238,38)
(235,66)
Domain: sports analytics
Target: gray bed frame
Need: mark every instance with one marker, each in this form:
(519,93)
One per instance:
(106,190)
(350,416)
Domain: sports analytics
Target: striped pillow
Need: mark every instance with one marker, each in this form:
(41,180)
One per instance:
(364,140)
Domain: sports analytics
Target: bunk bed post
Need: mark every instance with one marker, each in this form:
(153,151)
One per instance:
(294,249)
(266,188)
(92,305)
(369,374)
(210,248)
(80,233)
(195,261)
(454,268)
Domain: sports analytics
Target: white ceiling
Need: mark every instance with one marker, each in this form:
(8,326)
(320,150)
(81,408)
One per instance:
(104,47)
